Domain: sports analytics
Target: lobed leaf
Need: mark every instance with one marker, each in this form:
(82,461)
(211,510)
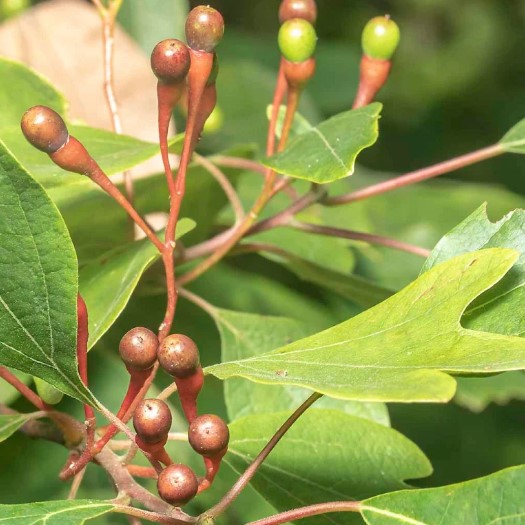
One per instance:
(328,152)
(494,499)
(38,284)
(404,348)
(245,335)
(327,455)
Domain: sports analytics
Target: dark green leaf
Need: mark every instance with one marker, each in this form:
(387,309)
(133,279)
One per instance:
(107,283)
(38,284)
(400,349)
(328,152)
(246,335)
(71,512)
(495,499)
(327,455)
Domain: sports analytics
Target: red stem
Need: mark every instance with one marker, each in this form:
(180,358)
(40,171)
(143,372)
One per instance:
(74,157)
(307,512)
(33,398)
(188,389)
(278,96)
(417,176)
(140,471)
(168,96)
(82,351)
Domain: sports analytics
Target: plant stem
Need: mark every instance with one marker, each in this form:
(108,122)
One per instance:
(248,474)
(33,398)
(150,516)
(307,512)
(225,184)
(238,163)
(108,17)
(75,485)
(417,176)
(360,236)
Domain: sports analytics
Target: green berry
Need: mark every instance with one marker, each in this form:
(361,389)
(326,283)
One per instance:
(204,28)
(297,40)
(380,38)
(48,393)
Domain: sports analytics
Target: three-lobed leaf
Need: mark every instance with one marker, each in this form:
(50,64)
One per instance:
(328,152)
(495,499)
(404,348)
(327,455)
(38,284)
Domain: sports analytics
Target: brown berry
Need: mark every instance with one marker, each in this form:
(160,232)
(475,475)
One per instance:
(138,348)
(152,420)
(170,61)
(177,484)
(208,435)
(204,28)
(306,9)
(44,129)
(178,355)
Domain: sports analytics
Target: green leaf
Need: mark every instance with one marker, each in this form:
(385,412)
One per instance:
(499,309)
(477,394)
(107,283)
(326,252)
(326,455)
(71,512)
(38,284)
(359,290)
(328,152)
(514,140)
(299,126)
(10,424)
(246,335)
(402,349)
(494,499)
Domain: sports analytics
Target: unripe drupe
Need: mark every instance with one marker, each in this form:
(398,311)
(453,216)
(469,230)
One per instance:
(380,38)
(297,40)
